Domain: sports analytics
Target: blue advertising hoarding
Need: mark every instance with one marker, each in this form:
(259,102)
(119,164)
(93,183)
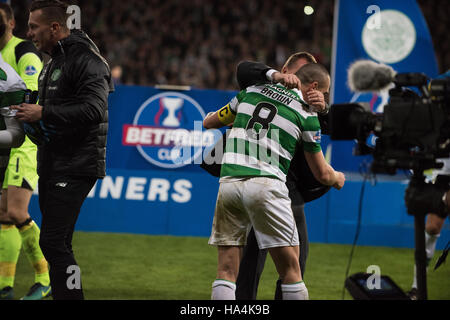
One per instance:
(147,189)
(154,184)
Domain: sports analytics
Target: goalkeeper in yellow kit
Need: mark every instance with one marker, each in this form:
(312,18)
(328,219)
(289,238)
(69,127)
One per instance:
(17,229)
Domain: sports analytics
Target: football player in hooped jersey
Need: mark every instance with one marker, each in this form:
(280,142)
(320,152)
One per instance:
(269,122)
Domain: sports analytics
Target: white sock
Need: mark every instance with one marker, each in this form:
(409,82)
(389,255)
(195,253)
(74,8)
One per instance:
(223,290)
(430,248)
(295,291)
(414,284)
(430,244)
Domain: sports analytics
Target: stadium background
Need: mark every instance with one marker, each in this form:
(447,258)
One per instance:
(198,44)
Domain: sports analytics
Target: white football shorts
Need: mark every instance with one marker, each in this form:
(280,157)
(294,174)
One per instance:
(259,202)
(445,170)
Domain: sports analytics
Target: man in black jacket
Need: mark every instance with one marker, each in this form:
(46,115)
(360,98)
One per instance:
(69,125)
(300,182)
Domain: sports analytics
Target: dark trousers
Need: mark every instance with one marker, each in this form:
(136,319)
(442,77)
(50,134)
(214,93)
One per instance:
(60,200)
(253,259)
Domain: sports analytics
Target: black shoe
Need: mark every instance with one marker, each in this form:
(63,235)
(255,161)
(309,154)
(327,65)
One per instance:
(412,294)
(7,293)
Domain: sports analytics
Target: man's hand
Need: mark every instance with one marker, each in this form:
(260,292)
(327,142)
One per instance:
(290,81)
(316,100)
(340,180)
(28,112)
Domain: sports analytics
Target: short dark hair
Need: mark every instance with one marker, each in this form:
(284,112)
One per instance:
(297,56)
(52,10)
(7,10)
(313,72)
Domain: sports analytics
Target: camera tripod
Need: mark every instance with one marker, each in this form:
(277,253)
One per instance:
(418,179)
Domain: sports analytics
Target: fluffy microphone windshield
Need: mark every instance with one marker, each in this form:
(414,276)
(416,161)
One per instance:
(367,76)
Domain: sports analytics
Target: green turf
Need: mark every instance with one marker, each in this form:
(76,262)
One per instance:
(125,266)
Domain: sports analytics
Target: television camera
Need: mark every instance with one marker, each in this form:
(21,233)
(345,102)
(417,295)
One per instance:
(412,133)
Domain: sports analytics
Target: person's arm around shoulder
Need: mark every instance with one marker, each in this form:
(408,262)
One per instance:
(289,80)
(249,73)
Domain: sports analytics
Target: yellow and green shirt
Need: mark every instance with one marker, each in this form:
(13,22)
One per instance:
(24,58)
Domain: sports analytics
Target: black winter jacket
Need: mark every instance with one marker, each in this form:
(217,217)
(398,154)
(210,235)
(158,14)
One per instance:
(73,90)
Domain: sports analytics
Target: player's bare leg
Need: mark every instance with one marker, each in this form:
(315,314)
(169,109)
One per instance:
(224,286)
(288,268)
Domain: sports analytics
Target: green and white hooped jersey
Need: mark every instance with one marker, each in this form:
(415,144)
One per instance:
(270,122)
(12,91)
(10,81)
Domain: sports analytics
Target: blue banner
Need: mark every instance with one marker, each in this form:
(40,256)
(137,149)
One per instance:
(160,129)
(390,32)
(149,190)
(154,184)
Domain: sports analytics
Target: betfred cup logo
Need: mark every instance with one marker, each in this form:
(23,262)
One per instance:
(171,105)
(167,131)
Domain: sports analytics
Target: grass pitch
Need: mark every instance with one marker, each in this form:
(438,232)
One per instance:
(142,267)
